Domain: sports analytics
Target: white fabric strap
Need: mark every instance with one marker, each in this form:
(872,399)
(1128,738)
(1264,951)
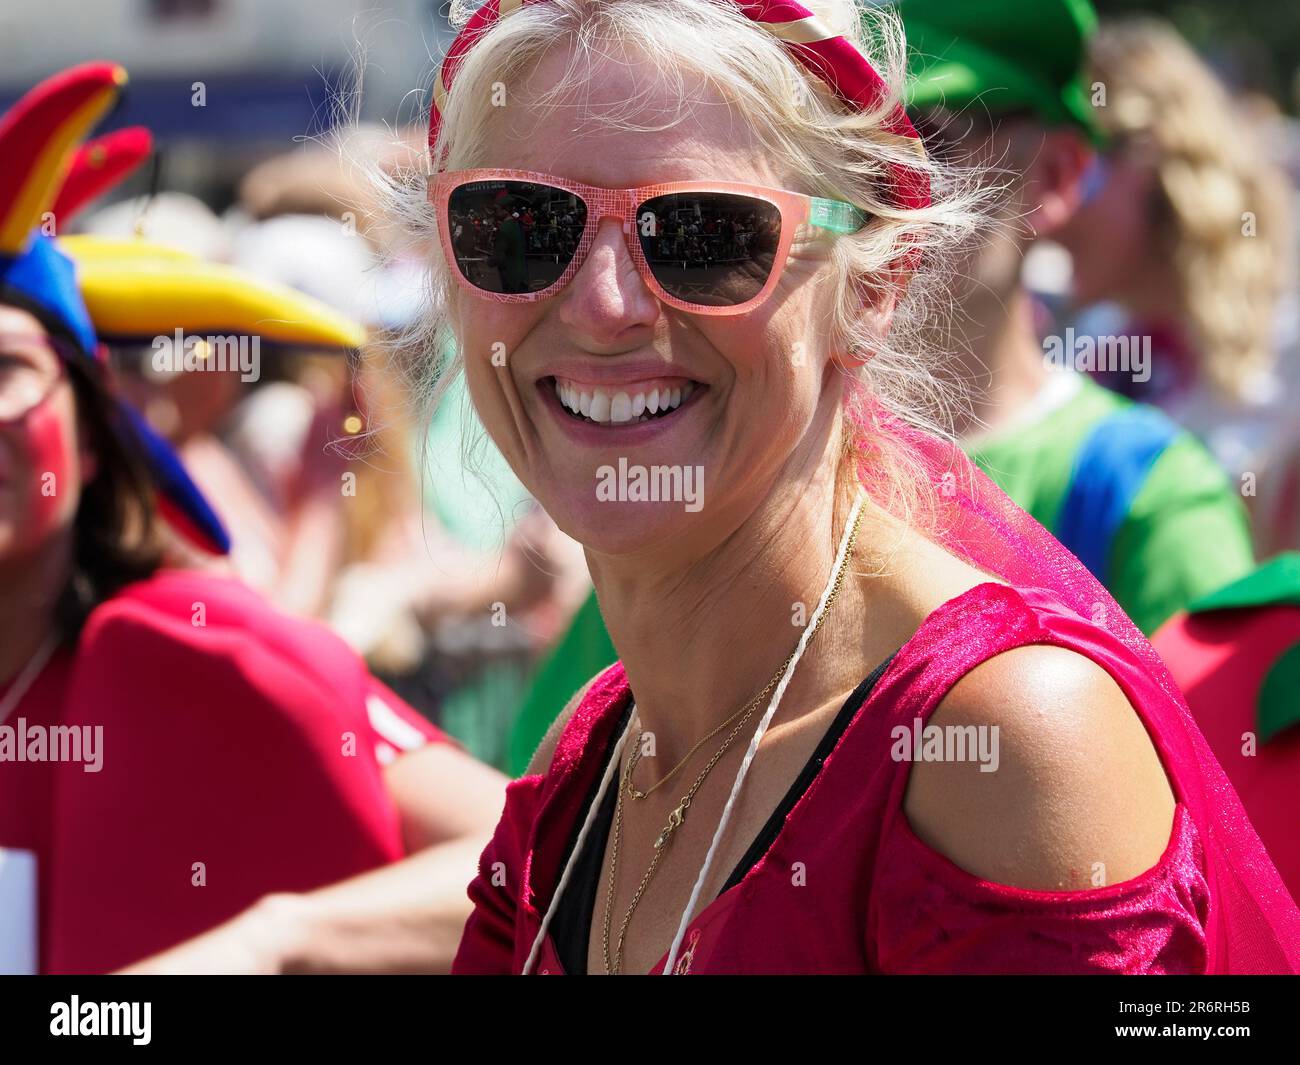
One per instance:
(611,771)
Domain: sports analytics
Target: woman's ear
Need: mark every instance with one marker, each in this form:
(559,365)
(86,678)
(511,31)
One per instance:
(876,305)
(1055,180)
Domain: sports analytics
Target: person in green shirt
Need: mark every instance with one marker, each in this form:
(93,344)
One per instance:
(1134,497)
(1138,500)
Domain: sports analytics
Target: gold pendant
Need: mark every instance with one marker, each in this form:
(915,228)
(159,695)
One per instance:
(674,822)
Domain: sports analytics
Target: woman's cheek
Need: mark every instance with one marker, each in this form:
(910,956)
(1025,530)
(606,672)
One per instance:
(54,488)
(488,349)
(484,387)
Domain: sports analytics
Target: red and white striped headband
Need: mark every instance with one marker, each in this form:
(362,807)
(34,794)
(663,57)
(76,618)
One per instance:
(831,57)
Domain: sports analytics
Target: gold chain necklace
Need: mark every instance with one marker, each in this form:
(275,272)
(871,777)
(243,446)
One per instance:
(746,710)
(678,816)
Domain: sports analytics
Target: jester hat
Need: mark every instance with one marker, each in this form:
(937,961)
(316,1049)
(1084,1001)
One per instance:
(136,290)
(93,289)
(45,172)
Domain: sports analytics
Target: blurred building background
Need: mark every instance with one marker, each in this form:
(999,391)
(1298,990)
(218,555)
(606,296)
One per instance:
(270,70)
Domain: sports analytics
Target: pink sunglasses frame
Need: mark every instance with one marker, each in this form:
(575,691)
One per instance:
(796,208)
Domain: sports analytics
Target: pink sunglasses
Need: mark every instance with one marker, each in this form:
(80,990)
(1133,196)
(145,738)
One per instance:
(707,247)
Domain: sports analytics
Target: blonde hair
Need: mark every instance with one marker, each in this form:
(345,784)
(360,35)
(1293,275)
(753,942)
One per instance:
(843,154)
(1214,179)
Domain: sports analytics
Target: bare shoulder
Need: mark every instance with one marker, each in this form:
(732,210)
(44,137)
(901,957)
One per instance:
(1074,795)
(541,760)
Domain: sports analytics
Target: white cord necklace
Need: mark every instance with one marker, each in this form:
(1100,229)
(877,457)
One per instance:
(743,771)
(582,839)
(28,676)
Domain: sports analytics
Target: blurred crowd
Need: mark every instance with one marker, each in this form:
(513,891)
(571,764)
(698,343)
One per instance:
(411,538)
(399,526)
(438,568)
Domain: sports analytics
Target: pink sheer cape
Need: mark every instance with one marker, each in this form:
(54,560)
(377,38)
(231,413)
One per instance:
(1253,924)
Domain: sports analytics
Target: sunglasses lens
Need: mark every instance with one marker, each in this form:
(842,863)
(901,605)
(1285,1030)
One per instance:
(513,236)
(714,249)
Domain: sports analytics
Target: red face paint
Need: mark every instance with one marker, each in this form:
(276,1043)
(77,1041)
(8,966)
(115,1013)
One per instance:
(43,471)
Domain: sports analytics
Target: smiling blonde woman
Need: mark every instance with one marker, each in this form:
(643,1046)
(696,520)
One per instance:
(706,237)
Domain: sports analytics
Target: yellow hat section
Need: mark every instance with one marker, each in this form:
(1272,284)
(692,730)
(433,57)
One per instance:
(135,289)
(121,249)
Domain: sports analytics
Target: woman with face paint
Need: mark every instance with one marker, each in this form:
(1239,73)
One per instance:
(867,715)
(177,759)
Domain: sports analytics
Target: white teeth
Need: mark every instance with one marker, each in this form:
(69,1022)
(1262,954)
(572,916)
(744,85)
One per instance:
(569,396)
(623,406)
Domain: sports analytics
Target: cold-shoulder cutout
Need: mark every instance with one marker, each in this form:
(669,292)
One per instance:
(932,916)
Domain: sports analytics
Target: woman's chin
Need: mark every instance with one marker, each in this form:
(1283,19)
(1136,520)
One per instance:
(621,526)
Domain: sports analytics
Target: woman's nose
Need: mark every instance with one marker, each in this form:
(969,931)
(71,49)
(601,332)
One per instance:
(608,293)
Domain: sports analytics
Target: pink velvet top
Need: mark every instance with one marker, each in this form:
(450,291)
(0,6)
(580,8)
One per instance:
(874,898)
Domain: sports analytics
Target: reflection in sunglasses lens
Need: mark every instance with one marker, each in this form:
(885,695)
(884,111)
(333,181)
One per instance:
(707,248)
(714,249)
(514,236)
